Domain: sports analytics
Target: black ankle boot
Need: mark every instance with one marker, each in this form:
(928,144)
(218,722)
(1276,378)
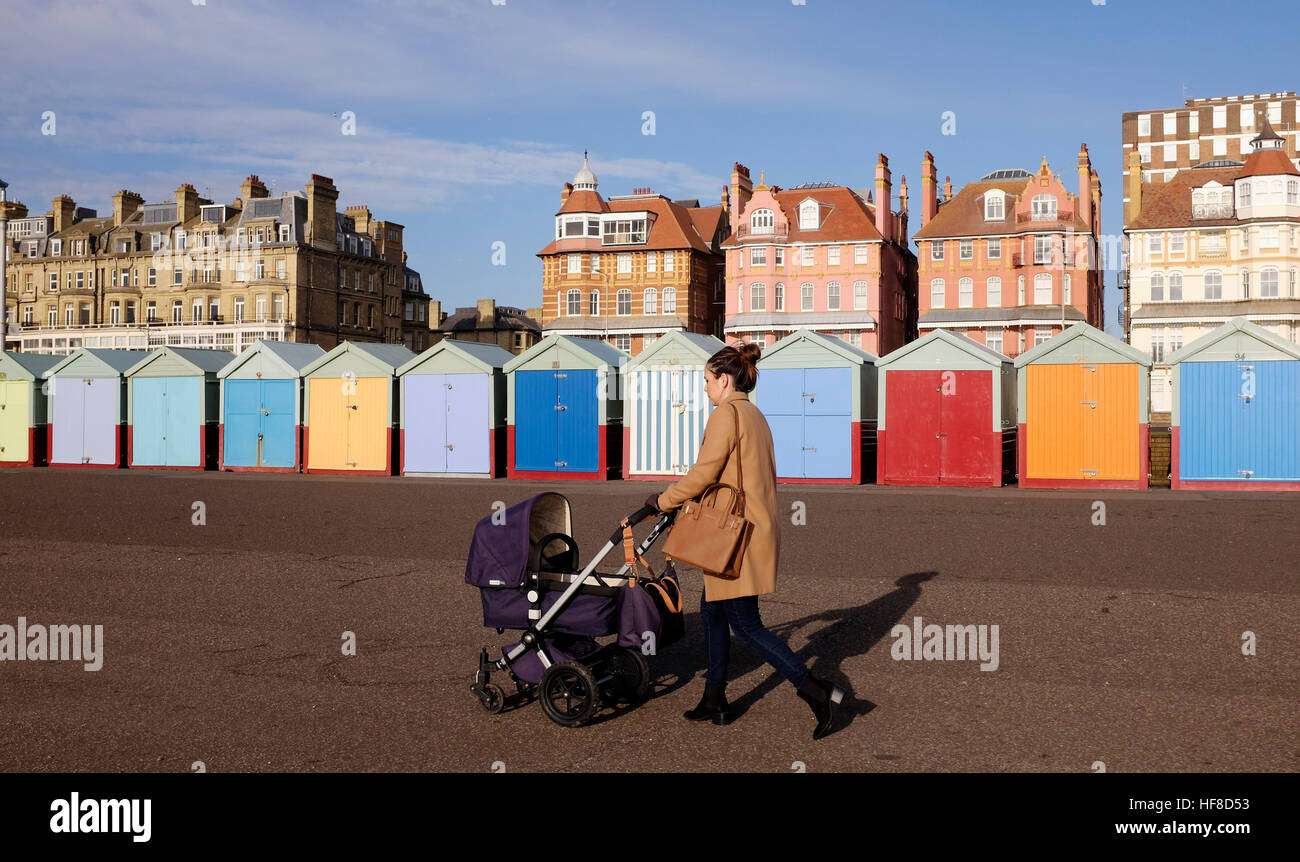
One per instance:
(822,697)
(712,706)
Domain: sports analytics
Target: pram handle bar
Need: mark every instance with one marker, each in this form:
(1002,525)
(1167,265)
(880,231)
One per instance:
(633,519)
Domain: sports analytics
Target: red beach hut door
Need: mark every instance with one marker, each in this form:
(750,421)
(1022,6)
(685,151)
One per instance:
(912,404)
(966,410)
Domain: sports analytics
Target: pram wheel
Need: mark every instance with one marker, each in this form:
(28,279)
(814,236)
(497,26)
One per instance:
(569,693)
(493,698)
(629,674)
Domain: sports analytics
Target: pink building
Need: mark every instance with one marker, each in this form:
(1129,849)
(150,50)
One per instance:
(1011,260)
(819,256)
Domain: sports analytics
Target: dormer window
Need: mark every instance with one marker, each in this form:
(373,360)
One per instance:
(56,247)
(994,203)
(761,221)
(1043,208)
(215,214)
(809,215)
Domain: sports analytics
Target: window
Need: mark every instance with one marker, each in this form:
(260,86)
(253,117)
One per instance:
(993,340)
(177,275)
(806,296)
(936,250)
(260,304)
(114,313)
(1043,208)
(994,206)
(623,302)
(196,311)
(281,268)
(1268,237)
(623,343)
(214,309)
(670,300)
(758,296)
(1292,191)
(833,256)
(54,316)
(966,293)
(1157,287)
(936,293)
(1043,250)
(1248,116)
(593,302)
(1268,283)
(651,263)
(780,256)
(1220,116)
(575,264)
(965,249)
(1177,243)
(284,233)
(68,315)
(669,258)
(593,227)
(623,231)
(833,296)
(575,303)
(356,279)
(1171,124)
(1154,246)
(1042,289)
(860,254)
(155,241)
(1243,194)
(808,215)
(1214,285)
(352,249)
(153,277)
(1157,345)
(370,282)
(780,294)
(1144,124)
(859,296)
(356,314)
(809,256)
(1175,286)
(278,305)
(761,221)
(259,269)
(56,247)
(343,313)
(1065,289)
(595,263)
(54,282)
(1245,284)
(993,292)
(207,275)
(1041,334)
(410,311)
(650,301)
(151,312)
(130,312)
(758,256)
(740,298)
(1293,293)
(81,280)
(1213,243)
(176,311)
(625,263)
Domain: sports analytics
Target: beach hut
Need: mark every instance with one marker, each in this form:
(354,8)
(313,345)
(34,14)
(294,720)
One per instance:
(947,408)
(351,409)
(1236,411)
(23,408)
(1082,405)
(261,406)
(173,403)
(565,410)
(453,410)
(818,394)
(666,406)
(87,391)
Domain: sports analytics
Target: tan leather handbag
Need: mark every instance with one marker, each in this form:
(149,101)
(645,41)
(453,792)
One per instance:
(707,535)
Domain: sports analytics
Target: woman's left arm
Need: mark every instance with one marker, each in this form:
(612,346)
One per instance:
(719,440)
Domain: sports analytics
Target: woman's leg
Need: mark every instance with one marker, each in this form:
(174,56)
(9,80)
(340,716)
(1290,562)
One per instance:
(742,613)
(717,640)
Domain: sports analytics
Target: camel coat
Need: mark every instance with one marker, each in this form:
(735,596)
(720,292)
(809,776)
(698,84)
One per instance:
(716,462)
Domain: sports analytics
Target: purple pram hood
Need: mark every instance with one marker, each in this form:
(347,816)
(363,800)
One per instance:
(498,554)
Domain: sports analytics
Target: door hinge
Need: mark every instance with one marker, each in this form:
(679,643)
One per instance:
(1246,473)
(561,463)
(1092,404)
(1089,472)
(560,407)
(810,448)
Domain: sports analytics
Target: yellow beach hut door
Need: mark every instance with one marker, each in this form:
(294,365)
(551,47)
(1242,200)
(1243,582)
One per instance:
(15,409)
(349,423)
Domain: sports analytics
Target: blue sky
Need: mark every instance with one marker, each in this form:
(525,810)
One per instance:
(470,116)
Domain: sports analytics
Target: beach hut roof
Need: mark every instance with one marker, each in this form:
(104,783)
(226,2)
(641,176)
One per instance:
(294,356)
(393,356)
(957,339)
(199,359)
(35,364)
(1235,325)
(485,356)
(599,351)
(707,345)
(838,345)
(1088,333)
(120,361)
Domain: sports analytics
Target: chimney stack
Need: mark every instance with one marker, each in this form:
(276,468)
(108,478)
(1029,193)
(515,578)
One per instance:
(64,207)
(726,201)
(487,314)
(252,187)
(125,204)
(187,203)
(322,197)
(1094,187)
(947,188)
(1133,208)
(929,189)
(884,198)
(742,188)
(564,194)
(1084,200)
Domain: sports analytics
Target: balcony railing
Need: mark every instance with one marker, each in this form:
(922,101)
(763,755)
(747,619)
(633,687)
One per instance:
(1058,216)
(749,234)
(1212,210)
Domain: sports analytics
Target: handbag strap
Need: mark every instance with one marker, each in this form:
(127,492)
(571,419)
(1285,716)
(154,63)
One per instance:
(740,482)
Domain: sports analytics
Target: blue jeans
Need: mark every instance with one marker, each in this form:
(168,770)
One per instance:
(742,616)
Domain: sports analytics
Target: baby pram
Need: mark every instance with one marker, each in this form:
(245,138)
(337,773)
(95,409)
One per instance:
(525,564)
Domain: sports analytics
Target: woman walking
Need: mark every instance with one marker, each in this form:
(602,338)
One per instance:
(736,449)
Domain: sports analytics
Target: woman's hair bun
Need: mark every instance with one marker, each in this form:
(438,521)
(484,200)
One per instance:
(750,352)
(740,361)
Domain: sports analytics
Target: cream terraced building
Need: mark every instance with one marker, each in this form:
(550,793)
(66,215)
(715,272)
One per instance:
(1216,241)
(191,272)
